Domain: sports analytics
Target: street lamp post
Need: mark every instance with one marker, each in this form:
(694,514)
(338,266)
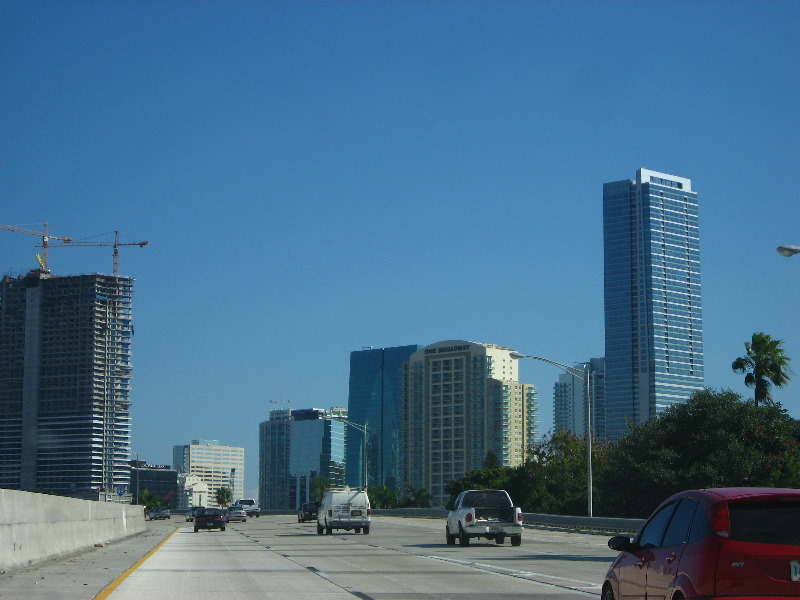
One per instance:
(363,430)
(788,250)
(584,376)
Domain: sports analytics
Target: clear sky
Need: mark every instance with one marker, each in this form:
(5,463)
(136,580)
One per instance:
(318,176)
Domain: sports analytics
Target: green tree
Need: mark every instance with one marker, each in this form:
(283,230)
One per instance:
(149,499)
(224,496)
(384,497)
(319,485)
(764,365)
(416,498)
(491,461)
(715,439)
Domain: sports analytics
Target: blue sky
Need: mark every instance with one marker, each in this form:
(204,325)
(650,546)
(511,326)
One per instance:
(314,177)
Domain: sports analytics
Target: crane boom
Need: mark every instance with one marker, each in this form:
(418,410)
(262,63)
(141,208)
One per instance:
(46,237)
(116,244)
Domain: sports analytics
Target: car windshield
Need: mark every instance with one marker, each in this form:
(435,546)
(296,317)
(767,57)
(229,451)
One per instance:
(766,522)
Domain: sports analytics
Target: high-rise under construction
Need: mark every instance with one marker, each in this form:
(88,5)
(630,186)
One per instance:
(65,369)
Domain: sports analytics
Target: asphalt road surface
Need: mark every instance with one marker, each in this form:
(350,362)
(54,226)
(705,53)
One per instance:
(277,557)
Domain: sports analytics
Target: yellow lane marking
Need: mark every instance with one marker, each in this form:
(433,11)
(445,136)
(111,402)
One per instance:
(114,584)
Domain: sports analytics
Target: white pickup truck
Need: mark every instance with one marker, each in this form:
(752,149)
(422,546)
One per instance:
(250,507)
(486,514)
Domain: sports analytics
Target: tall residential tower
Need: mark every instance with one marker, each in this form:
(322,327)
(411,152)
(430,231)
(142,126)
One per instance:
(653,316)
(65,371)
(462,400)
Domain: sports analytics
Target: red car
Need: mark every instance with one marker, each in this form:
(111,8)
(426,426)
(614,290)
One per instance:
(723,544)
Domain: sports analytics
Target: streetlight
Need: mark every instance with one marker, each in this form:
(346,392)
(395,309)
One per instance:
(363,430)
(585,377)
(788,250)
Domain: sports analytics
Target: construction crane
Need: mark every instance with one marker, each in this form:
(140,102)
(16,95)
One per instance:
(46,237)
(116,244)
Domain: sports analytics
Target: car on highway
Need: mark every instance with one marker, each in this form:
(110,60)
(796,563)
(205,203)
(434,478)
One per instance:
(236,513)
(193,512)
(159,512)
(307,512)
(712,543)
(209,518)
(344,508)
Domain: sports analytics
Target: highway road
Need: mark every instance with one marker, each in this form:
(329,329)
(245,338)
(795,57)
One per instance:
(277,557)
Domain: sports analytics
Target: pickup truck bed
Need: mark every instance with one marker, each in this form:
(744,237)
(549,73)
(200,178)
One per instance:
(486,514)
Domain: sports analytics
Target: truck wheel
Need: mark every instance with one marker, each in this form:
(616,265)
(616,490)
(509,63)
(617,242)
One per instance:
(463,538)
(195,529)
(328,530)
(357,529)
(319,529)
(366,530)
(500,539)
(451,539)
(516,540)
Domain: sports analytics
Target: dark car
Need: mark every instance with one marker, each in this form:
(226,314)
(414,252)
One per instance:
(209,518)
(307,512)
(714,543)
(193,511)
(159,512)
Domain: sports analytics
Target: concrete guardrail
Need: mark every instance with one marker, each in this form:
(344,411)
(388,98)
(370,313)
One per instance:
(35,527)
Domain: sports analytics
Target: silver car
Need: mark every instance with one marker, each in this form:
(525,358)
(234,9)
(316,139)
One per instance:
(236,513)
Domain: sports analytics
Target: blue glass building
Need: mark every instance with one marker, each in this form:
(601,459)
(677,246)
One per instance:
(375,400)
(653,313)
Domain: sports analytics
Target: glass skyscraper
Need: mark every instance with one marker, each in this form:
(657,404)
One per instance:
(375,400)
(653,314)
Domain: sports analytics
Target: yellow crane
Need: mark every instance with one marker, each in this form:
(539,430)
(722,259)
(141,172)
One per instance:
(46,237)
(116,244)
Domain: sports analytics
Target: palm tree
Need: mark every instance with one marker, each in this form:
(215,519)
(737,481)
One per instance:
(765,364)
(224,497)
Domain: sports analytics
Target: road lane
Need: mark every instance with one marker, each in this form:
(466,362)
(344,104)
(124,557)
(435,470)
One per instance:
(276,557)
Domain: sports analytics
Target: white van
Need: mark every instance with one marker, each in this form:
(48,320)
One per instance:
(344,508)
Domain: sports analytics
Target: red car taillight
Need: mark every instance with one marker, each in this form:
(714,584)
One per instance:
(468,518)
(721,520)
(330,512)
(369,511)
(519,517)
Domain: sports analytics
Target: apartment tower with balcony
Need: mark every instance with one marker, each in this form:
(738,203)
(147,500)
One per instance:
(653,309)
(65,373)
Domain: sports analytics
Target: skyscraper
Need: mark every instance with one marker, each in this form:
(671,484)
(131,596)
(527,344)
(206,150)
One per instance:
(462,400)
(65,370)
(295,446)
(569,400)
(653,315)
(375,400)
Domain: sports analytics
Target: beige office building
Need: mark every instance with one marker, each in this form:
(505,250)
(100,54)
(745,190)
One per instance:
(461,401)
(216,465)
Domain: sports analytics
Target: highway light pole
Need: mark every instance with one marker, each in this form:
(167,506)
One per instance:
(788,250)
(363,430)
(584,376)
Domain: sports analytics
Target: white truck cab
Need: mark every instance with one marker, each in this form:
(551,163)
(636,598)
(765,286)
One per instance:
(344,508)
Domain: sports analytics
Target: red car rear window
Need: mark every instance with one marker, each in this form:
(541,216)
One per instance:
(766,522)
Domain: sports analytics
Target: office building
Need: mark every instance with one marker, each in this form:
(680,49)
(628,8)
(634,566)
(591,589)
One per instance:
(317,448)
(653,313)
(295,447)
(461,401)
(569,400)
(159,480)
(216,465)
(375,403)
(65,374)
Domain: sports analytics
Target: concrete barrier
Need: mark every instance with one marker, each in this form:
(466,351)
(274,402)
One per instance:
(35,527)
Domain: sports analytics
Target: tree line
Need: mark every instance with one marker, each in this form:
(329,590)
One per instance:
(715,439)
